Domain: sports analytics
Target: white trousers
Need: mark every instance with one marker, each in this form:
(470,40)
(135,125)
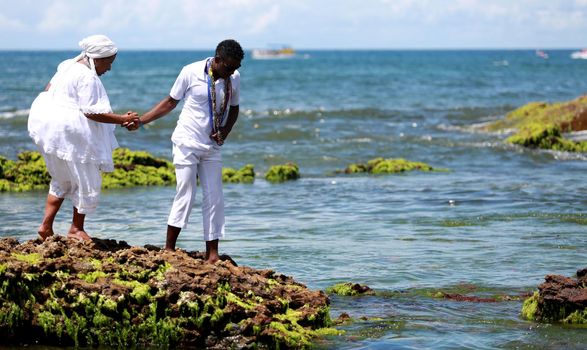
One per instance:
(191,164)
(80,182)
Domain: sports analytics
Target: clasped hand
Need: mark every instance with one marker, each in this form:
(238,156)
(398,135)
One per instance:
(132,121)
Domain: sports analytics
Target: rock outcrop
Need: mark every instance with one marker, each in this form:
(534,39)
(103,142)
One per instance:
(65,292)
(281,173)
(559,299)
(542,125)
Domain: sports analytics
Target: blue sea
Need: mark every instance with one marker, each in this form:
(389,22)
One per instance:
(499,220)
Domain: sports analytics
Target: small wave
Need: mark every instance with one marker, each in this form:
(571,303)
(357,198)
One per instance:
(576,135)
(474,128)
(559,155)
(14,114)
(320,112)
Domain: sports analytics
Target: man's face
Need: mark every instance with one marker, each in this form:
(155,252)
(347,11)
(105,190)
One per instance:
(226,66)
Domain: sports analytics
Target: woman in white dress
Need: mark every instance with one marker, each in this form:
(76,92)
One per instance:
(72,123)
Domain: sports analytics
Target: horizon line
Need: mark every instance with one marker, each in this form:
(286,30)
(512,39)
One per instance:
(327,49)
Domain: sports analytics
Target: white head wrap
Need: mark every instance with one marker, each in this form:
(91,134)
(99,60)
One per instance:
(96,46)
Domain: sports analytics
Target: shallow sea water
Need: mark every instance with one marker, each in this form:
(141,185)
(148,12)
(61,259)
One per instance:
(498,219)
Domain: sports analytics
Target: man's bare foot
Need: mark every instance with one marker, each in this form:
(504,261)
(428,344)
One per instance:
(212,259)
(45,232)
(81,235)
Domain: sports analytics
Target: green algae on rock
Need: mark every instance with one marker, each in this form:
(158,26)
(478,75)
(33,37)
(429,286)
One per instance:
(106,293)
(541,125)
(131,168)
(281,173)
(27,173)
(387,166)
(559,299)
(246,174)
(349,289)
(138,168)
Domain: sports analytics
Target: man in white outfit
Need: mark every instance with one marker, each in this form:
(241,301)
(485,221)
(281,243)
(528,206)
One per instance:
(210,89)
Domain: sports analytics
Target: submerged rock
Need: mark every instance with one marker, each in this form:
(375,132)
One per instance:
(541,125)
(281,173)
(559,299)
(387,166)
(66,292)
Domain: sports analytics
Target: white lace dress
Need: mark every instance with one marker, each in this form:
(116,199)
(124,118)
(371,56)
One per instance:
(57,122)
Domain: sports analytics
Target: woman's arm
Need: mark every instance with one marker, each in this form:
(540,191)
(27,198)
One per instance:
(113,118)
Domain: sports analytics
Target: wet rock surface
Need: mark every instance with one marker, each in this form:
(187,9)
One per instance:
(559,299)
(543,125)
(105,292)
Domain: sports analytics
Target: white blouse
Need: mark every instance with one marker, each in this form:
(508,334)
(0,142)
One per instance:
(57,122)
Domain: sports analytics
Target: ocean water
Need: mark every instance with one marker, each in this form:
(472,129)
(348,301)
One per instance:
(497,222)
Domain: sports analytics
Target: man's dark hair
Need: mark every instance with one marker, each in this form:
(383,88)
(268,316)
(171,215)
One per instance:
(230,48)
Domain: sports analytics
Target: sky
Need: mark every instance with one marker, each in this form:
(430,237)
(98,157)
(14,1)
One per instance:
(302,24)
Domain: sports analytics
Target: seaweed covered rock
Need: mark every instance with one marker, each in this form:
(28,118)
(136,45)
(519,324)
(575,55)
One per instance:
(27,173)
(66,292)
(559,299)
(246,174)
(281,173)
(131,168)
(138,168)
(350,289)
(542,125)
(387,166)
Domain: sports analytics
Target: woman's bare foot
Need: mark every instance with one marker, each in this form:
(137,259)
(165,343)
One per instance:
(45,232)
(81,235)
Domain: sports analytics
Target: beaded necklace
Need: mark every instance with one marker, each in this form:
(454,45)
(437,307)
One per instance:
(217,116)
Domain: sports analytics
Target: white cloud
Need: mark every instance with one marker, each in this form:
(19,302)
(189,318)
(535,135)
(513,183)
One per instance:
(303,23)
(60,15)
(264,20)
(10,23)
(558,20)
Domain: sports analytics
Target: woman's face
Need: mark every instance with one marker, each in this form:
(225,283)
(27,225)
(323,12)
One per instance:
(103,65)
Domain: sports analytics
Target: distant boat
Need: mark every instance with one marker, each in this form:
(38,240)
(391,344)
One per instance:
(579,54)
(542,54)
(269,54)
